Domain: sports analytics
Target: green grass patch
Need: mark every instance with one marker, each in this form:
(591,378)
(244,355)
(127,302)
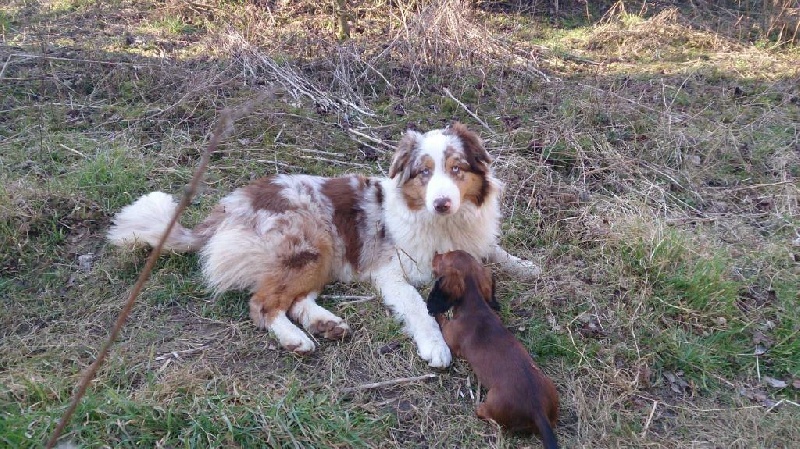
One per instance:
(290,417)
(701,329)
(176,25)
(110,177)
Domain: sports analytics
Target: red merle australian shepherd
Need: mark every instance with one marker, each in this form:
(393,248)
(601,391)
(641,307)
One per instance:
(284,237)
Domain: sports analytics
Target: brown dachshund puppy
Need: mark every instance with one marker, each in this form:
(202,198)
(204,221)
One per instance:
(520,397)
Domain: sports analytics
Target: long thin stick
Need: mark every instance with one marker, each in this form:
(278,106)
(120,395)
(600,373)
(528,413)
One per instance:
(447,92)
(358,298)
(221,128)
(649,419)
(387,383)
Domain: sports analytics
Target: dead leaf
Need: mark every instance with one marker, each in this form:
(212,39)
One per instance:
(644,376)
(389,347)
(775,383)
(760,339)
(746,393)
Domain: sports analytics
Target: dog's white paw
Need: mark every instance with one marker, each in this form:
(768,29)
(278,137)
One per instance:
(317,320)
(527,269)
(436,353)
(298,343)
(521,268)
(290,336)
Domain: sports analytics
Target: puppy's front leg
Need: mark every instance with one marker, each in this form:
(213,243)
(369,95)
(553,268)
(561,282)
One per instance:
(513,265)
(409,307)
(451,334)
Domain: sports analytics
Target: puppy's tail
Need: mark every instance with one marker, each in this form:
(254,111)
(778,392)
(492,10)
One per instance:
(546,431)
(144,221)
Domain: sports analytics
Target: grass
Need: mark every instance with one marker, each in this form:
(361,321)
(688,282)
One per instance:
(650,161)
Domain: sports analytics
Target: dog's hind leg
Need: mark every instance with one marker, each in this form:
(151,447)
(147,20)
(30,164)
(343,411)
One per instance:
(291,289)
(495,408)
(268,308)
(317,320)
(289,336)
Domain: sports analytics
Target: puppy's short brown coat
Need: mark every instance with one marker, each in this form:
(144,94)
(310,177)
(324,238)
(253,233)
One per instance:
(520,397)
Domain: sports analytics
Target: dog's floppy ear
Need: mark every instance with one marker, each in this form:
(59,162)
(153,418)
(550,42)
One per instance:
(476,154)
(438,299)
(493,300)
(401,163)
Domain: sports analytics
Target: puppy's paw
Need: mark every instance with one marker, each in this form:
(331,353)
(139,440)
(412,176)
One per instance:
(436,353)
(330,329)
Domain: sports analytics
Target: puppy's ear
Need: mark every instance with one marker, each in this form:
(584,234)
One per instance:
(401,163)
(438,300)
(493,299)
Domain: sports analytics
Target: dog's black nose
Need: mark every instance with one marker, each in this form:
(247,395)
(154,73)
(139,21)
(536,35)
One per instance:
(442,205)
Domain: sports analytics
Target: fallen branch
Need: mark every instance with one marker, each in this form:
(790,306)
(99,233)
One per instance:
(447,92)
(341,297)
(782,401)
(178,354)
(221,129)
(374,139)
(352,299)
(388,383)
(649,419)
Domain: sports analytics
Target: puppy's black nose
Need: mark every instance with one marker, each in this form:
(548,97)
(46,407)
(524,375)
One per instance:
(442,205)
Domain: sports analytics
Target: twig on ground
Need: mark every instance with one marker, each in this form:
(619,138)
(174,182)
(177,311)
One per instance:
(93,61)
(352,299)
(368,137)
(178,354)
(334,161)
(757,186)
(71,150)
(447,92)
(5,66)
(649,419)
(781,402)
(388,383)
(221,129)
(349,297)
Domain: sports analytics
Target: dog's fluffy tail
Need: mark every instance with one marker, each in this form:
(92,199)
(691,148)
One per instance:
(546,433)
(145,221)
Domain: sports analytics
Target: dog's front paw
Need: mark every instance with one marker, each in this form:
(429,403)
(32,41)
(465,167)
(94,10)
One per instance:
(527,269)
(521,268)
(436,353)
